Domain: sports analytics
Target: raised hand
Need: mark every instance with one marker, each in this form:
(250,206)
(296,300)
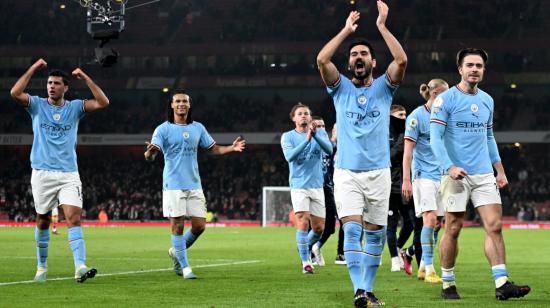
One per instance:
(239,144)
(382,13)
(40,64)
(351,22)
(78,73)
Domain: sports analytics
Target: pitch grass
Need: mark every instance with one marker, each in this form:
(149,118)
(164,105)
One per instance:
(275,281)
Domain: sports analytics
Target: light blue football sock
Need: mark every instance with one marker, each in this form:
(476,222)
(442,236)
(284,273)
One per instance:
(76,241)
(178,242)
(374,245)
(42,238)
(448,276)
(190,238)
(353,252)
(303,245)
(313,238)
(426,240)
(499,271)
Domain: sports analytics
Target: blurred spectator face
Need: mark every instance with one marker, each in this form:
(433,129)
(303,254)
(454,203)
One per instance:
(181,104)
(472,69)
(400,114)
(333,133)
(320,123)
(302,117)
(361,62)
(56,87)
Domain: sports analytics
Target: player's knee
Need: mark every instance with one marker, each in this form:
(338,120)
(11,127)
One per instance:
(430,219)
(198,229)
(72,219)
(494,227)
(453,229)
(43,222)
(318,229)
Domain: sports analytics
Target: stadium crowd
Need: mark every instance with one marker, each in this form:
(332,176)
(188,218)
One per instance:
(118,180)
(128,188)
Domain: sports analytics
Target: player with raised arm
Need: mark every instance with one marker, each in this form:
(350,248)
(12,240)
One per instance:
(179,139)
(461,137)
(362,179)
(426,176)
(55,180)
(303,149)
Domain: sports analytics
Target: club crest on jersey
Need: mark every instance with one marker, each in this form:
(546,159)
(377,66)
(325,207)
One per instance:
(414,122)
(438,102)
(474,107)
(451,201)
(185,135)
(362,99)
(56,116)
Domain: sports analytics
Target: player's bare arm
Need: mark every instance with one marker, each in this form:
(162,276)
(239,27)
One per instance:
(18,91)
(502,181)
(328,70)
(406,187)
(100,100)
(238,145)
(396,69)
(151,152)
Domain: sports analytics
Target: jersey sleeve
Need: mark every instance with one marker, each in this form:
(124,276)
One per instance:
(34,105)
(206,141)
(411,127)
(158,138)
(79,108)
(440,110)
(335,87)
(286,142)
(491,141)
(340,87)
(390,85)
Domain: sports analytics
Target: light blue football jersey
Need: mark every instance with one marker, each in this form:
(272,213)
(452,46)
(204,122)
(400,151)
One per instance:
(363,117)
(306,167)
(424,163)
(467,119)
(55,130)
(179,143)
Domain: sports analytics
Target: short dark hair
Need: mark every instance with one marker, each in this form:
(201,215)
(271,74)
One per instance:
(170,111)
(361,41)
(62,74)
(299,105)
(316,117)
(471,51)
(396,107)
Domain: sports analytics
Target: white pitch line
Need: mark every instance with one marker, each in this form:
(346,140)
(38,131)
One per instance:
(135,272)
(109,258)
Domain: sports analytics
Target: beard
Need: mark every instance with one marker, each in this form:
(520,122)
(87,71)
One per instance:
(361,70)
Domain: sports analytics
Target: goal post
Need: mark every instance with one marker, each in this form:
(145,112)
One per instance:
(276,205)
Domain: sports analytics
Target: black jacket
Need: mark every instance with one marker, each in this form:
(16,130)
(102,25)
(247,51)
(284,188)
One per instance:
(397,148)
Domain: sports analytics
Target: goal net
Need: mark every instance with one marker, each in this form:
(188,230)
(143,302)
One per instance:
(276,205)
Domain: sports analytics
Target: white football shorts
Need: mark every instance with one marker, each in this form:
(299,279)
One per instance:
(53,188)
